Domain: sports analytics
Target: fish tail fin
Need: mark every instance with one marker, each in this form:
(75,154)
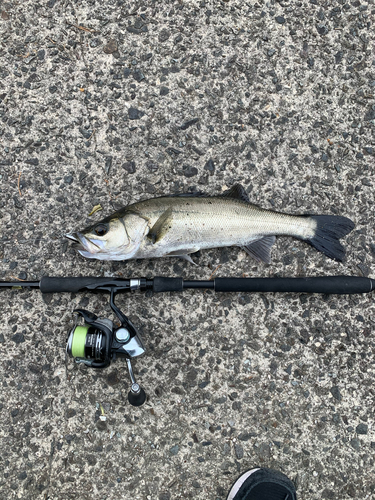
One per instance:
(329,230)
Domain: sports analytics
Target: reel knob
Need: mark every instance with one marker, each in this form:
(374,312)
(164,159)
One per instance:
(137,395)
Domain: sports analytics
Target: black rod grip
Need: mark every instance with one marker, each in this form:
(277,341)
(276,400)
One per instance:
(325,284)
(59,285)
(161,284)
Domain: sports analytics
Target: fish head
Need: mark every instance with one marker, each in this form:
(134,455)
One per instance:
(113,238)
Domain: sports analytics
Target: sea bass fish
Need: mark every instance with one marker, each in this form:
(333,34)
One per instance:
(180,225)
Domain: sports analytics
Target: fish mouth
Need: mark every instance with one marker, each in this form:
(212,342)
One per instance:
(82,244)
(89,249)
(72,237)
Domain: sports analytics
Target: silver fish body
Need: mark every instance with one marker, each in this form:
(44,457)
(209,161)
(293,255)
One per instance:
(181,225)
(199,223)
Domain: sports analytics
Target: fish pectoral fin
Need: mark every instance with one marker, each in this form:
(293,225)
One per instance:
(161,226)
(260,250)
(237,192)
(184,254)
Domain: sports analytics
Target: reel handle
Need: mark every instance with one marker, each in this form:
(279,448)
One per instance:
(137,395)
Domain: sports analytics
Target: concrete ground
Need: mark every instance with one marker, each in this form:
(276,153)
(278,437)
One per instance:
(112,102)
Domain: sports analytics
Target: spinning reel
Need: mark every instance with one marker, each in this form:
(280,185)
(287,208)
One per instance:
(98,342)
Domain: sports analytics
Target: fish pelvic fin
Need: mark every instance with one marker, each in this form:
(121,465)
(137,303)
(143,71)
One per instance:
(260,250)
(329,230)
(161,226)
(188,258)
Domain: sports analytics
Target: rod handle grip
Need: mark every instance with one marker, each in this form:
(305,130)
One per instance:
(324,284)
(50,284)
(161,284)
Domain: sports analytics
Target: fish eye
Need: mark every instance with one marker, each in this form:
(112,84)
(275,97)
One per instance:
(101,229)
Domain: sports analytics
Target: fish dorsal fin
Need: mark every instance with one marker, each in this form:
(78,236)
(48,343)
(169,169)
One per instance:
(260,250)
(195,194)
(161,226)
(237,192)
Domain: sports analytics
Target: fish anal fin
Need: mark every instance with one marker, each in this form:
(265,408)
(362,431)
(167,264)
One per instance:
(161,226)
(260,249)
(237,191)
(184,254)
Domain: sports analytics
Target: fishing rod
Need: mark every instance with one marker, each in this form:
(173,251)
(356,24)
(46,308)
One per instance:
(98,341)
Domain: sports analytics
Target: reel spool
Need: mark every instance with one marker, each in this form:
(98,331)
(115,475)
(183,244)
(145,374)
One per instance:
(97,342)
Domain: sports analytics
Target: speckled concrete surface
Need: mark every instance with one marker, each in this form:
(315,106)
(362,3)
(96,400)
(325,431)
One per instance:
(111,102)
